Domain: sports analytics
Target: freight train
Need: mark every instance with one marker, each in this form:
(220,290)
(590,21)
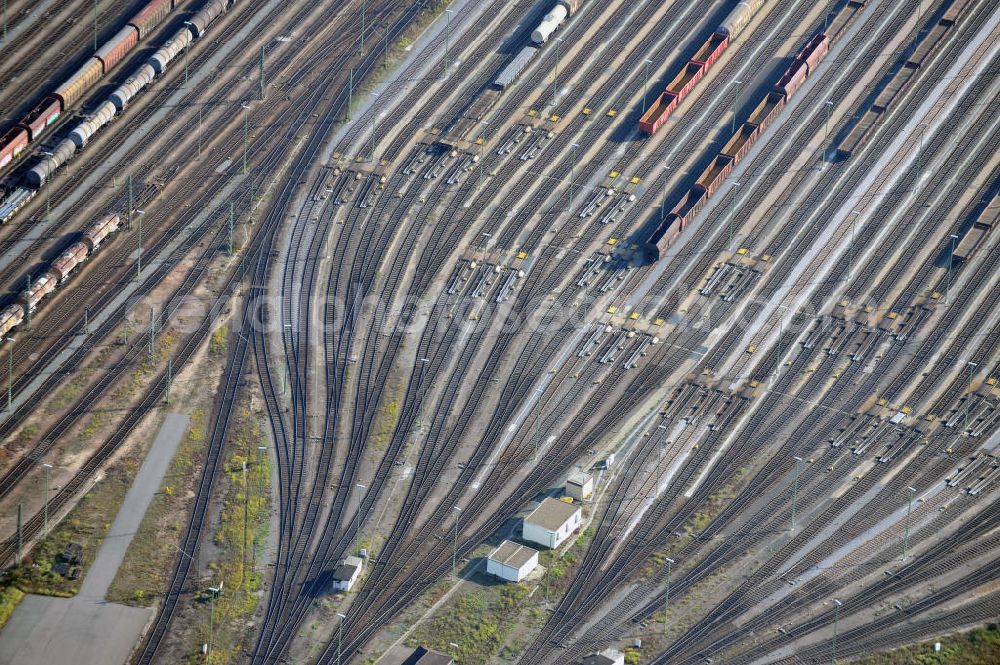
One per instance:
(13,142)
(695,69)
(928,45)
(478,107)
(84,79)
(802,66)
(58,271)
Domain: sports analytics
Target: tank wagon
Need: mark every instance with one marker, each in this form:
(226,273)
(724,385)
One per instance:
(57,272)
(689,75)
(555,18)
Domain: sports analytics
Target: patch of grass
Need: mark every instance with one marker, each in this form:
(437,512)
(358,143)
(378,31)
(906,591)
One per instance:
(143,575)
(9,598)
(243,527)
(87,524)
(478,622)
(220,339)
(976,647)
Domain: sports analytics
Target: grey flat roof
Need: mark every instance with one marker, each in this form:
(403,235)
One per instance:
(512,554)
(344,572)
(597,659)
(552,514)
(579,478)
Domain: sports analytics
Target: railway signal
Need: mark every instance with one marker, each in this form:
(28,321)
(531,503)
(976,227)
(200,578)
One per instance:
(340,634)
(666,594)
(836,621)
(795,488)
(45,509)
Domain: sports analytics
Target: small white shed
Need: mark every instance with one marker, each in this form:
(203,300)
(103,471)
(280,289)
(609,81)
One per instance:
(580,486)
(511,561)
(347,573)
(551,523)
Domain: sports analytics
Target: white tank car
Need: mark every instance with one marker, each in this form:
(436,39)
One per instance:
(124,93)
(166,53)
(37,176)
(739,17)
(556,17)
(103,115)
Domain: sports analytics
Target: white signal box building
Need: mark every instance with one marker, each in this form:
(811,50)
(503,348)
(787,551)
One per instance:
(580,486)
(551,523)
(511,562)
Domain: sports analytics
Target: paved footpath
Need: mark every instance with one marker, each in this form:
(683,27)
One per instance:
(86,628)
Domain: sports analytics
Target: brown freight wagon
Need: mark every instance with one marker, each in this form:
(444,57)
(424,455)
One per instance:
(111,53)
(151,15)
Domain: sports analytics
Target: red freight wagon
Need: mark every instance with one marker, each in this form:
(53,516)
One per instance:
(767,110)
(814,52)
(793,78)
(151,15)
(712,49)
(741,141)
(716,173)
(41,116)
(691,204)
(666,233)
(12,143)
(658,113)
(686,80)
(115,49)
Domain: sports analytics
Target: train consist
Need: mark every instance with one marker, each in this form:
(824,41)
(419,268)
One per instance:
(485,100)
(802,66)
(57,272)
(47,111)
(695,69)
(929,44)
(120,98)
(43,115)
